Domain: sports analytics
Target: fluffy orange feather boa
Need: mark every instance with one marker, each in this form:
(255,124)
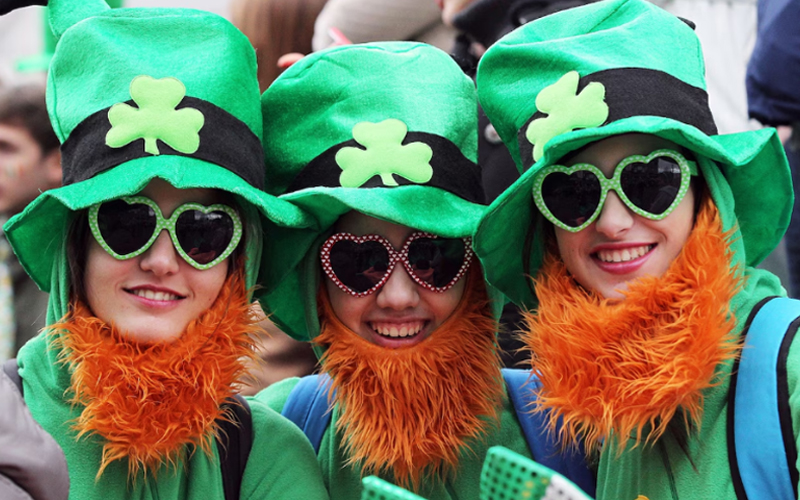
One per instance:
(618,367)
(149,401)
(411,412)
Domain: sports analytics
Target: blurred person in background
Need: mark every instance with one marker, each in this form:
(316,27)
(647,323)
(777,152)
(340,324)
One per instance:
(30,162)
(275,28)
(773,92)
(381,20)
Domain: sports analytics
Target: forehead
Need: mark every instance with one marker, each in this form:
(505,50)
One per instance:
(169,197)
(607,153)
(360,224)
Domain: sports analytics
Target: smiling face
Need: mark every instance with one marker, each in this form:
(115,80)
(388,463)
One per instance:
(620,246)
(401,312)
(154,296)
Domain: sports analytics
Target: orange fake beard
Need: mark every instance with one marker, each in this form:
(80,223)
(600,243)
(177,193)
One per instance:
(150,400)
(409,412)
(619,366)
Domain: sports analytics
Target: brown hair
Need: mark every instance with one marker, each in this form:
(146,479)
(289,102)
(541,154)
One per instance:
(24,106)
(275,28)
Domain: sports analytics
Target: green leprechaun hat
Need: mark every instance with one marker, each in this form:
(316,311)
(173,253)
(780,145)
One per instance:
(609,68)
(135,94)
(387,129)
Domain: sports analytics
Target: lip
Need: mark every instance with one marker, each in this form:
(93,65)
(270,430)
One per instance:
(626,267)
(152,303)
(395,343)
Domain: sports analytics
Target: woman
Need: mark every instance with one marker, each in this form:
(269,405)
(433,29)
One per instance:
(378,142)
(640,226)
(150,252)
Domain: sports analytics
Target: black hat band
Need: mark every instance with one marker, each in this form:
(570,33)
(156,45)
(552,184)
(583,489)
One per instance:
(639,92)
(452,171)
(224,140)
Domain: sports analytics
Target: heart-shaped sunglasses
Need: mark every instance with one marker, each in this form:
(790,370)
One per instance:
(203,236)
(651,186)
(360,265)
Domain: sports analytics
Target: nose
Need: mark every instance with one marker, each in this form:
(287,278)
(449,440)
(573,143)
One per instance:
(400,292)
(615,218)
(161,258)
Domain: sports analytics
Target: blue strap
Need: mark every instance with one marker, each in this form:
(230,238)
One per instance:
(307,407)
(761,452)
(543,445)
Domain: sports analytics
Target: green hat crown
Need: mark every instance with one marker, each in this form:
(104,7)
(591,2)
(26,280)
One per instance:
(387,127)
(580,69)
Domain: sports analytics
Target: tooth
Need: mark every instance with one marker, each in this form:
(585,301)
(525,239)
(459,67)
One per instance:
(393,331)
(404,332)
(626,255)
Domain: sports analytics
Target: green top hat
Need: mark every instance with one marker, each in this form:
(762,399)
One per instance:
(387,129)
(609,68)
(132,96)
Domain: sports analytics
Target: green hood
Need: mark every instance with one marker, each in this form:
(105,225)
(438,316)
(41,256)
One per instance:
(386,129)
(609,68)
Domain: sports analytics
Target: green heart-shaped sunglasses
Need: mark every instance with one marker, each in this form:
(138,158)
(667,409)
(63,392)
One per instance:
(651,186)
(203,236)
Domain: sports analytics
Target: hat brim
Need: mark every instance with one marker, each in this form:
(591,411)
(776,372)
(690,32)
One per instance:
(33,232)
(756,187)
(428,209)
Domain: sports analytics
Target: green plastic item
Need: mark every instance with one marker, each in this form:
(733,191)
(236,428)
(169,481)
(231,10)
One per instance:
(376,488)
(510,476)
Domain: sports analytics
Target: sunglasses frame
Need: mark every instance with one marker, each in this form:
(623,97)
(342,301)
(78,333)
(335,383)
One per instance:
(163,223)
(395,256)
(688,169)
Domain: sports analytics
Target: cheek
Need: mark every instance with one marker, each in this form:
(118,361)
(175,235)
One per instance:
(347,308)
(101,273)
(568,248)
(207,284)
(443,304)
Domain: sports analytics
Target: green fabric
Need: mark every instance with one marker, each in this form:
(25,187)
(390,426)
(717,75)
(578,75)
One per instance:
(315,104)
(344,482)
(376,94)
(281,463)
(643,470)
(746,172)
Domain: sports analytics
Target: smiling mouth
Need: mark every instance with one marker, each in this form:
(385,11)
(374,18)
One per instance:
(154,295)
(398,330)
(624,255)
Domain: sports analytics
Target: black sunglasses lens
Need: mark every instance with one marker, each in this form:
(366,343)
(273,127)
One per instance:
(436,261)
(652,186)
(571,198)
(359,266)
(125,227)
(204,237)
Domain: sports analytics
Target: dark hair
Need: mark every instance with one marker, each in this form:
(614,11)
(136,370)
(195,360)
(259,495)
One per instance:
(25,107)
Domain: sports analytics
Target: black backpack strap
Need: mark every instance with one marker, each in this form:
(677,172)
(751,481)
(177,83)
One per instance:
(234,441)
(11,369)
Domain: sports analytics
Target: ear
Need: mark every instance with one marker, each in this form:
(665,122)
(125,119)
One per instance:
(52,170)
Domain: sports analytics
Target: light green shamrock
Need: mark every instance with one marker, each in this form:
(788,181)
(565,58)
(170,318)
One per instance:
(156,117)
(567,110)
(385,155)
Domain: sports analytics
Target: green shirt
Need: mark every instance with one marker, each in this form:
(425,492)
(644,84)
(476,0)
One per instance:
(344,482)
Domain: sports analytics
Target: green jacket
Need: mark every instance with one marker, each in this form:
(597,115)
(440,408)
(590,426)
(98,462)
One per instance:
(344,481)
(281,463)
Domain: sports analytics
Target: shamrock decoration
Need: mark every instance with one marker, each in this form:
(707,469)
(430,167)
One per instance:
(156,117)
(385,155)
(567,110)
